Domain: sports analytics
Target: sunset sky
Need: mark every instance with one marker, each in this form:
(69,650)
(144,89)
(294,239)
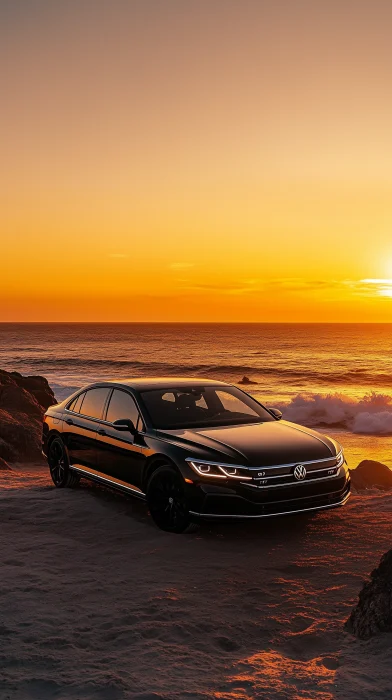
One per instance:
(196,160)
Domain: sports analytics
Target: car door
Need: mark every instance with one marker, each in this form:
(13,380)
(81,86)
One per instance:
(81,422)
(121,456)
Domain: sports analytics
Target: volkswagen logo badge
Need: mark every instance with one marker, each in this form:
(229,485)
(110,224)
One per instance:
(300,472)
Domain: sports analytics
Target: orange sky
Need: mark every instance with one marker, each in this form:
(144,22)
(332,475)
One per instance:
(201,160)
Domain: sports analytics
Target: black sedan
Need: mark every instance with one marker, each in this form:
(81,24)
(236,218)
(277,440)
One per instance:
(192,449)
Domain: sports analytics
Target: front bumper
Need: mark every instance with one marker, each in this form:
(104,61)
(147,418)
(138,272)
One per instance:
(236,506)
(273,491)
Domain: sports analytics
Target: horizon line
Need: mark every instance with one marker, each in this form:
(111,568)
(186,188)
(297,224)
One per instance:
(204,323)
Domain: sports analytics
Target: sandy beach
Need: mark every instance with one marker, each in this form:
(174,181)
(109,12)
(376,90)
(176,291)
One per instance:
(96,602)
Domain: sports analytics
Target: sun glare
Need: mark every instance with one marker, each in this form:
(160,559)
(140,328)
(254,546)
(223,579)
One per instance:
(377,281)
(383,287)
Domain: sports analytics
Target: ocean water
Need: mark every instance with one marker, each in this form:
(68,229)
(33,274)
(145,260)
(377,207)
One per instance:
(334,377)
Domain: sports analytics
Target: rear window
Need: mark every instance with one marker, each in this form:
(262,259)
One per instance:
(94,402)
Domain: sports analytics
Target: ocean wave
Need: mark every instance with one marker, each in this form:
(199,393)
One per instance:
(369,415)
(285,374)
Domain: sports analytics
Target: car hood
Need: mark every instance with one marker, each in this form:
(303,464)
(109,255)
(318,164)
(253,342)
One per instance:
(258,444)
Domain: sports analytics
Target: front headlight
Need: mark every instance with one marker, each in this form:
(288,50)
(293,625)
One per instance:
(218,471)
(340,459)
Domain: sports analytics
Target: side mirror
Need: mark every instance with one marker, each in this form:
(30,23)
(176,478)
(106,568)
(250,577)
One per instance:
(276,413)
(126,425)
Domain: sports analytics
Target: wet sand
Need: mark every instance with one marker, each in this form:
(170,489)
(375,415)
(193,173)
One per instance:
(97,603)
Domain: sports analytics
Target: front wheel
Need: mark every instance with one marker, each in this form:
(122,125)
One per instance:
(167,501)
(59,466)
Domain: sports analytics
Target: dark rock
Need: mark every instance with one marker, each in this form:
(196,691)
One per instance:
(36,385)
(373,613)
(246,380)
(23,401)
(371,474)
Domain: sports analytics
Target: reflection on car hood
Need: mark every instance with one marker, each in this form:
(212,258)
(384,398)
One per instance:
(258,444)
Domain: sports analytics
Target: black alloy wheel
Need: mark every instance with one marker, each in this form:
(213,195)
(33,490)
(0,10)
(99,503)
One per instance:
(167,501)
(59,467)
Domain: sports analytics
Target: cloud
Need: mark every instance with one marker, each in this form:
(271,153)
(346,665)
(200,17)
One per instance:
(257,286)
(297,284)
(371,287)
(282,287)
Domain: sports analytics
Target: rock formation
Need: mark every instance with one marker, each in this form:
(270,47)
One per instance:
(246,380)
(23,401)
(371,474)
(373,613)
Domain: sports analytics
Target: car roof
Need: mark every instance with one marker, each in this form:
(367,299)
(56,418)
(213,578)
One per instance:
(145,383)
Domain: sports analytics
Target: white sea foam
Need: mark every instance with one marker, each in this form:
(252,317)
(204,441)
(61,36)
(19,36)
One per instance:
(372,414)
(373,423)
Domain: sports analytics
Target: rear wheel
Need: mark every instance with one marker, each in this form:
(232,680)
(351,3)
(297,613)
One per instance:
(59,466)
(167,501)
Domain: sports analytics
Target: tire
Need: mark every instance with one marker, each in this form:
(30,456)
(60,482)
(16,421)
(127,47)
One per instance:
(167,502)
(62,475)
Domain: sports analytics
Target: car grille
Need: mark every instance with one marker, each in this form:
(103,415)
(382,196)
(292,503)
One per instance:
(285,474)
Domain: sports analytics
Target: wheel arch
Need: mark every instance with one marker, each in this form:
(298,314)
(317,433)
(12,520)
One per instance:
(156,461)
(51,436)
(56,434)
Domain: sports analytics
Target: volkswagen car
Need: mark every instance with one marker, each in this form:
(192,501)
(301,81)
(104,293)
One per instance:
(193,449)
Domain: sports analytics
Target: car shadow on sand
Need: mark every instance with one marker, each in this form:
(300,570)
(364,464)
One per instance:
(287,527)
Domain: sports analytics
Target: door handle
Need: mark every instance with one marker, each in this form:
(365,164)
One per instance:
(69,421)
(101,432)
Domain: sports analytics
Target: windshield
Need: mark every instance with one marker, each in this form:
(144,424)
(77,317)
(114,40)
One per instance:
(202,407)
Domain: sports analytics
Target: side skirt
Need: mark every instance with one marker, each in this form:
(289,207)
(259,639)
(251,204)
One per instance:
(112,482)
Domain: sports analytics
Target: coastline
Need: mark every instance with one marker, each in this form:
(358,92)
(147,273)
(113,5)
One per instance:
(344,371)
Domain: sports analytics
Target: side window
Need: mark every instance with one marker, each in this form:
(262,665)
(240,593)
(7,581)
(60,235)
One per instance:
(140,427)
(76,403)
(122,405)
(72,404)
(94,402)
